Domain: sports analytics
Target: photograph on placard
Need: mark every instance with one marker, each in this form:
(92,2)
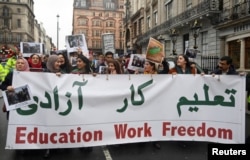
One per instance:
(20,97)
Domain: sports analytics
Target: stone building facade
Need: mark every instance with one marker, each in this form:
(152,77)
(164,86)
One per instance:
(96,17)
(215,27)
(18,24)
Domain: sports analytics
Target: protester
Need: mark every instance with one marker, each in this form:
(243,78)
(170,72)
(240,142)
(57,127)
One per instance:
(99,63)
(225,66)
(163,67)
(53,65)
(21,65)
(3,73)
(82,65)
(35,61)
(150,68)
(114,67)
(44,60)
(65,66)
(109,55)
(183,66)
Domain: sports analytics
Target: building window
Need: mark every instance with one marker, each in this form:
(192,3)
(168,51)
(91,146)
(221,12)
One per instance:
(96,23)
(97,3)
(96,44)
(19,23)
(6,12)
(188,4)
(110,24)
(18,37)
(148,22)
(80,3)
(135,29)
(82,22)
(18,10)
(169,8)
(96,33)
(140,26)
(110,5)
(204,43)
(155,18)
(83,31)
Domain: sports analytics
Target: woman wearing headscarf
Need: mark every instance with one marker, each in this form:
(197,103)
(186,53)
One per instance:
(35,61)
(53,65)
(21,65)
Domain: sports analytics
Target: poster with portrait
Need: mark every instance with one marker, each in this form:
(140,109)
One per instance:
(155,51)
(75,43)
(191,53)
(29,48)
(20,97)
(103,70)
(136,62)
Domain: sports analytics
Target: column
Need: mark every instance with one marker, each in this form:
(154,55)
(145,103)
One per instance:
(242,54)
(226,49)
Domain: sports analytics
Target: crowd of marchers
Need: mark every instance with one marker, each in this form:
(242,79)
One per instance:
(61,63)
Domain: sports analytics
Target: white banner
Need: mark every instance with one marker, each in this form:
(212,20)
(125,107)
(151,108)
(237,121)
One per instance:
(78,111)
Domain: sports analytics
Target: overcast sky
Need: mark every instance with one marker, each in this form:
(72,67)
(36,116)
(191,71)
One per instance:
(46,12)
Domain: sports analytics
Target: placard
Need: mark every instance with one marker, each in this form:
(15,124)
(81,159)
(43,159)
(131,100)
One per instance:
(20,97)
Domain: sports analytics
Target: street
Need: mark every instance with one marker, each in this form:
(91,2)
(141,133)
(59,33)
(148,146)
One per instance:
(136,151)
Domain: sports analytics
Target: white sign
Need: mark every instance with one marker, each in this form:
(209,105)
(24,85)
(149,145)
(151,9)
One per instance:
(136,62)
(108,40)
(29,48)
(21,96)
(83,110)
(76,42)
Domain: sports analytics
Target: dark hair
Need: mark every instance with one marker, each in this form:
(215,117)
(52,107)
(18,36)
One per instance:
(188,64)
(86,61)
(117,66)
(109,53)
(67,67)
(165,67)
(227,59)
(152,64)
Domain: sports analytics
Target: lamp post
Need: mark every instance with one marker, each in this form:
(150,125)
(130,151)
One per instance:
(195,31)
(127,39)
(162,40)
(57,29)
(173,35)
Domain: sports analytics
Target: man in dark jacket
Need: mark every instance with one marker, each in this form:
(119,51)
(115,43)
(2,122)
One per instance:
(225,67)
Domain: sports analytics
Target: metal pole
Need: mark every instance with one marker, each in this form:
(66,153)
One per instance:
(57,31)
